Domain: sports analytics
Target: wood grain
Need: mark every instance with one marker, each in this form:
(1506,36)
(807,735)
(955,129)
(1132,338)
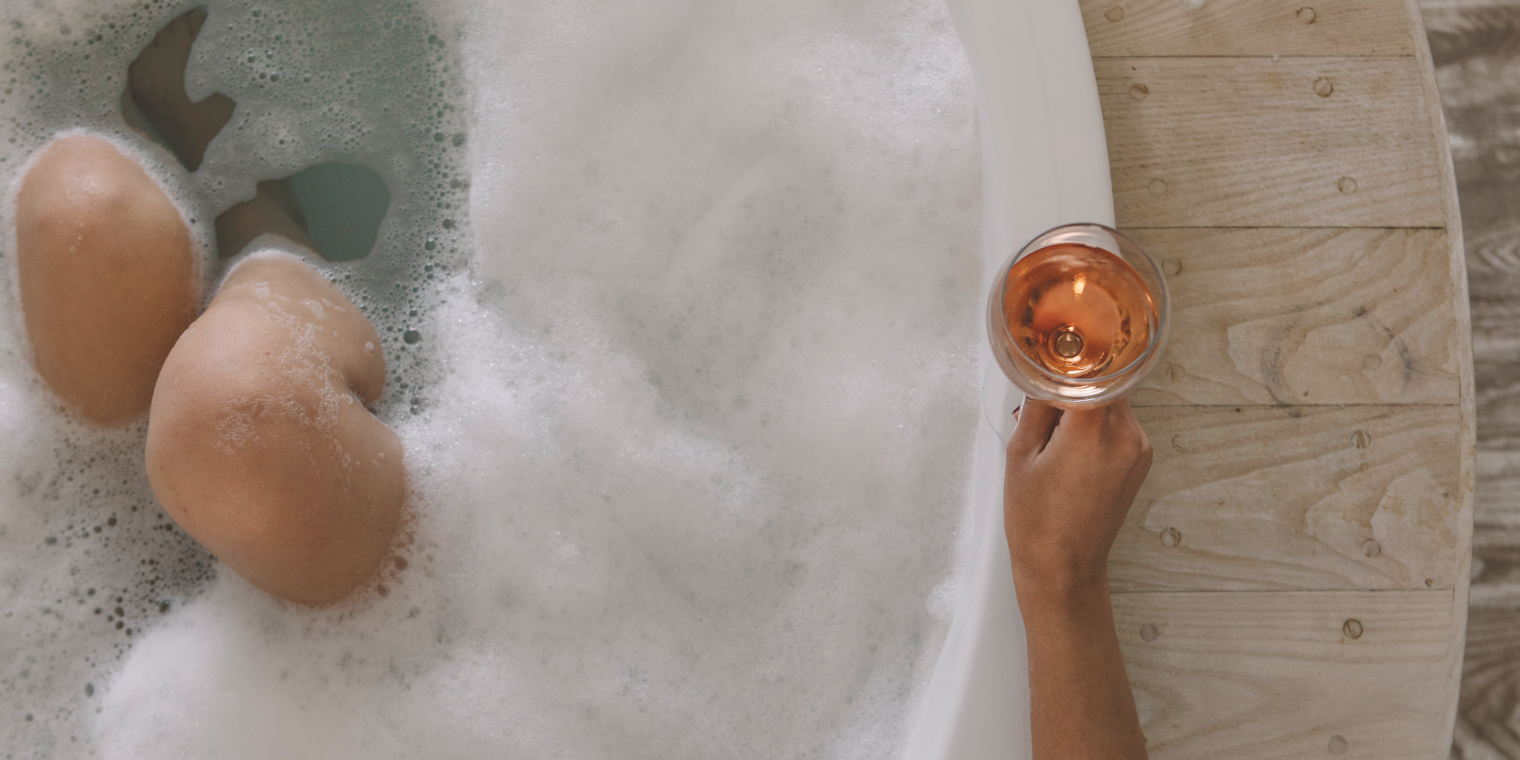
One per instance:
(1246,28)
(1488,726)
(1496,505)
(1306,316)
(1217,142)
(1467,443)
(1274,675)
(1279,498)
(1313,415)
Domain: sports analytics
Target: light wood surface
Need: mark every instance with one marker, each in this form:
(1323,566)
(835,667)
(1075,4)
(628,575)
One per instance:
(1305,497)
(1490,685)
(1247,28)
(1294,316)
(1212,142)
(1476,46)
(1224,675)
(1313,414)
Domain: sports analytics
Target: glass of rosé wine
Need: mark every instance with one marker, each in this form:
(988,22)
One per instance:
(1077,317)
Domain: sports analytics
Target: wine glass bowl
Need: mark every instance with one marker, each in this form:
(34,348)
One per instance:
(1078,316)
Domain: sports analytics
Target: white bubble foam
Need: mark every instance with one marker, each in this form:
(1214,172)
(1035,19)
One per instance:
(678,303)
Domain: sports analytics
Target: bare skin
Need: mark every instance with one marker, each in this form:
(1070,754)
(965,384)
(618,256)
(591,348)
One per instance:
(156,83)
(106,267)
(260,445)
(1071,479)
(156,88)
(259,442)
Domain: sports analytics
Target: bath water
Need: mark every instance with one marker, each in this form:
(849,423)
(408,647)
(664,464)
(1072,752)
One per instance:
(679,306)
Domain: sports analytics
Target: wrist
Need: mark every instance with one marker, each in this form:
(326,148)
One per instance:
(1065,593)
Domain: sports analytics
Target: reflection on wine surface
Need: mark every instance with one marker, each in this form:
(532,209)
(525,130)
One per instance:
(1077,310)
(1078,316)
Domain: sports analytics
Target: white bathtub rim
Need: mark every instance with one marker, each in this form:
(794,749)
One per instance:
(977,701)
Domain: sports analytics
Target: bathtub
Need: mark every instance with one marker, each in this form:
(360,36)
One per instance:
(1044,163)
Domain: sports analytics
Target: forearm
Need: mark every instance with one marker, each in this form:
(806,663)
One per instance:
(1080,701)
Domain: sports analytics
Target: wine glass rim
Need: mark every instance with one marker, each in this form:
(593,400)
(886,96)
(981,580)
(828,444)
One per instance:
(1157,331)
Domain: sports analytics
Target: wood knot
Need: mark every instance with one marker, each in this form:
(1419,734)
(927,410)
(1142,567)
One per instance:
(1138,91)
(1307,15)
(1114,14)
(1352,628)
(1171,537)
(1323,87)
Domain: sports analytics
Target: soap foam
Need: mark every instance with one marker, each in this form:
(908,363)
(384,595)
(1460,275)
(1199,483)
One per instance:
(687,400)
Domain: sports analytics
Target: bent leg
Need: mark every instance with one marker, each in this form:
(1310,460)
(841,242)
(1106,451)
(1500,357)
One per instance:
(107,276)
(260,445)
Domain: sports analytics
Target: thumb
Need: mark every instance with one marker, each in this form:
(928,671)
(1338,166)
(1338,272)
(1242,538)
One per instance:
(1037,420)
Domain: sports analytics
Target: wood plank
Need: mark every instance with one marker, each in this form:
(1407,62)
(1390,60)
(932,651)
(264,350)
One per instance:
(1282,498)
(1496,573)
(1306,316)
(1496,504)
(1213,142)
(1487,726)
(1466,443)
(1275,675)
(1246,27)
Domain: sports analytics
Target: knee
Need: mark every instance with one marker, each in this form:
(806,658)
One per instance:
(292,484)
(106,274)
(84,183)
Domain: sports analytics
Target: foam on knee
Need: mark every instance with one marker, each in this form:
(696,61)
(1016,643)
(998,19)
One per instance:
(266,246)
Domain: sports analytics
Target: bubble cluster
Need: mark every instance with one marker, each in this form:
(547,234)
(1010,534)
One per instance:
(678,302)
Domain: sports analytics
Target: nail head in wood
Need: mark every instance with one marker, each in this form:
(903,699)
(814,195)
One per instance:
(1149,632)
(1171,537)
(1323,87)
(1338,745)
(1307,15)
(1352,628)
(1114,14)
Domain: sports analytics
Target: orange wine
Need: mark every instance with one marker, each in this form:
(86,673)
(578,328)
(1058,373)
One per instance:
(1077,310)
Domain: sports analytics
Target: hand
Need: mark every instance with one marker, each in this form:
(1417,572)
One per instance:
(1070,481)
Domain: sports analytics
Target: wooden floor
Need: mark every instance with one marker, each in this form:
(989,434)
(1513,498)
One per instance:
(1292,581)
(1476,51)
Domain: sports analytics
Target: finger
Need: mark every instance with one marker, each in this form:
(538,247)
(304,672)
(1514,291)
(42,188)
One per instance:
(1085,424)
(1123,423)
(1121,413)
(1036,421)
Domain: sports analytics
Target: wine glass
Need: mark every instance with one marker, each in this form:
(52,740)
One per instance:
(1077,317)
